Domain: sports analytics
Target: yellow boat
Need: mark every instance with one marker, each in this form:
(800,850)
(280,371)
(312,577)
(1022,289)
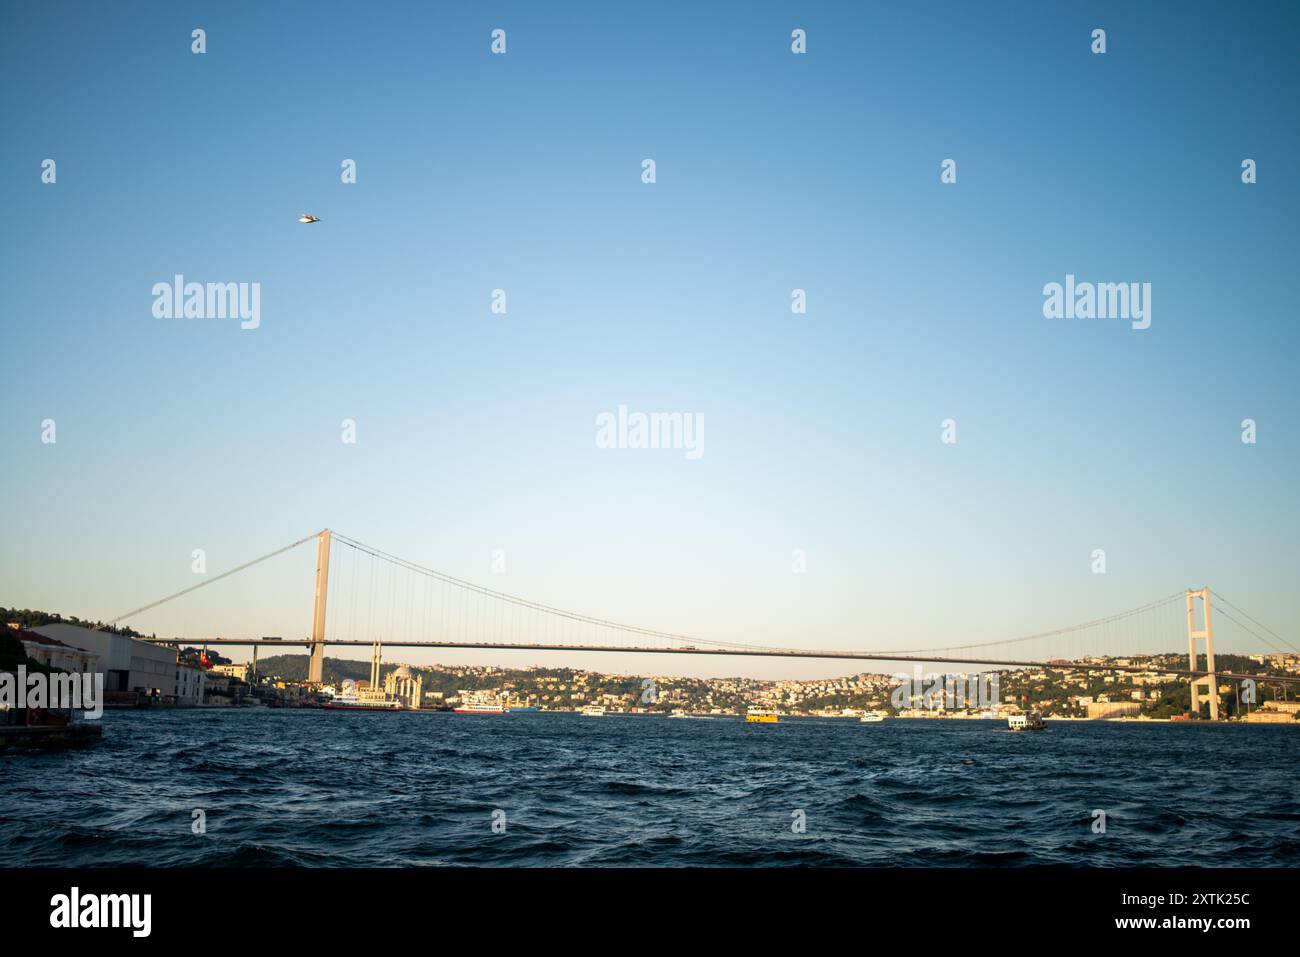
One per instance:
(761,717)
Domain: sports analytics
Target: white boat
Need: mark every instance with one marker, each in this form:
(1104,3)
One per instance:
(593,711)
(480,709)
(361,703)
(871,717)
(1026,722)
(679,713)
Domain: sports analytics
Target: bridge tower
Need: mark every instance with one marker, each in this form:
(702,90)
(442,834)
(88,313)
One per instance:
(316,670)
(1206,687)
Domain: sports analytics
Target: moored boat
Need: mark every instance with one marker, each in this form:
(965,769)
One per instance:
(593,711)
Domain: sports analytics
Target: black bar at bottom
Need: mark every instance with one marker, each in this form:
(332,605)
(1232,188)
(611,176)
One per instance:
(528,906)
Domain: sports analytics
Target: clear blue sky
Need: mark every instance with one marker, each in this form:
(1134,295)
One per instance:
(775,171)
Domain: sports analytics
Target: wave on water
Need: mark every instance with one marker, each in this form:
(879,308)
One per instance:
(326,789)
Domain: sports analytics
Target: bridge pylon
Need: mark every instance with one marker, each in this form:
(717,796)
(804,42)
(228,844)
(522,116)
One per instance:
(1207,686)
(316,668)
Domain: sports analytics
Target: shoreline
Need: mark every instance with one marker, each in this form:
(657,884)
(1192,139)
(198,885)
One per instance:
(1001,720)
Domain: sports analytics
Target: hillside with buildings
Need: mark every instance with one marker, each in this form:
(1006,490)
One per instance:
(145,673)
(1056,691)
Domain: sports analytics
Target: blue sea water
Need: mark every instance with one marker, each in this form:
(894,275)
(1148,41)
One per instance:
(315,788)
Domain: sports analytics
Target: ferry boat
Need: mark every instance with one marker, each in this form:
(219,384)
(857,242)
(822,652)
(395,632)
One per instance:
(478,708)
(679,713)
(871,717)
(593,711)
(761,717)
(1026,722)
(342,703)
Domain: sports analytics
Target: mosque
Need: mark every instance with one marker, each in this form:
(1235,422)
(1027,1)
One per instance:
(405,686)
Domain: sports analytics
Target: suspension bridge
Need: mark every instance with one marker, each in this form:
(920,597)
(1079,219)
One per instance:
(442,611)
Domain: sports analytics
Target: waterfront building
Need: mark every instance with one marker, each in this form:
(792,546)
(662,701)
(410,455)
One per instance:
(55,653)
(129,665)
(217,690)
(405,686)
(1113,709)
(189,686)
(238,672)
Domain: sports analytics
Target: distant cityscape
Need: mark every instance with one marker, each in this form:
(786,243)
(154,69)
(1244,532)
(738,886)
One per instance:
(141,673)
(1059,693)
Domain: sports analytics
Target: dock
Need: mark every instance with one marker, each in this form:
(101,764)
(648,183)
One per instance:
(72,735)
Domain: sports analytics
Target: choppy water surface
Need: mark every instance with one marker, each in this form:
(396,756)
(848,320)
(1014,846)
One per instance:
(326,788)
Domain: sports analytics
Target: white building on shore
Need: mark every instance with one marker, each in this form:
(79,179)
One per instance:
(55,653)
(191,683)
(404,685)
(128,664)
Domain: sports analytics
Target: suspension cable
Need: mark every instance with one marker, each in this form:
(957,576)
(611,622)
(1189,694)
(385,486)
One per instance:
(1150,606)
(528,603)
(1256,621)
(1224,612)
(215,578)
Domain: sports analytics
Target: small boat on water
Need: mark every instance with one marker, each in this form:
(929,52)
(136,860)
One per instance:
(1026,722)
(756,716)
(593,711)
(872,717)
(679,713)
